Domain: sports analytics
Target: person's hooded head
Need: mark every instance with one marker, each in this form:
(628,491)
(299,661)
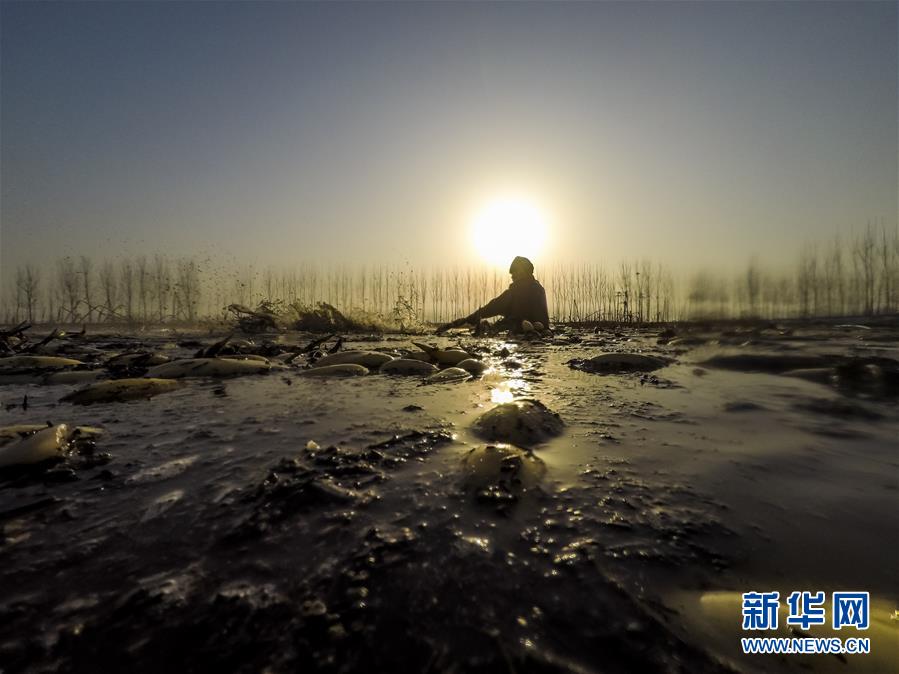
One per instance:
(521,268)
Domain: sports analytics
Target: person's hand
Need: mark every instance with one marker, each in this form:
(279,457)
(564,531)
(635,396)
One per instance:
(446,326)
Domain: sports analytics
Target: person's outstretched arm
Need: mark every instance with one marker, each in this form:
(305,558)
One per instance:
(495,307)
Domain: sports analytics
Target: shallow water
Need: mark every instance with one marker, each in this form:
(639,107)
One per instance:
(215,539)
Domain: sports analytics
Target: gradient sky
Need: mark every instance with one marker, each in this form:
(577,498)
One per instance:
(285,132)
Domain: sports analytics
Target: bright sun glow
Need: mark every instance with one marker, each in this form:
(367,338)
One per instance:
(505,228)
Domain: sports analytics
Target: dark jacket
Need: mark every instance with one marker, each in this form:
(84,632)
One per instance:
(524,300)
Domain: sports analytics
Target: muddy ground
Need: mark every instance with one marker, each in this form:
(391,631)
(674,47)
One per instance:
(281,523)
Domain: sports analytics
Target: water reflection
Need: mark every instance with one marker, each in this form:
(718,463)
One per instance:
(500,396)
(506,390)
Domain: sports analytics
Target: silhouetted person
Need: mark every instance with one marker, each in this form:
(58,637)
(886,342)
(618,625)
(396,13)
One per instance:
(525,300)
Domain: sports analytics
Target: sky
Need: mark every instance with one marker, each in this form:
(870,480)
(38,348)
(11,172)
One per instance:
(286,132)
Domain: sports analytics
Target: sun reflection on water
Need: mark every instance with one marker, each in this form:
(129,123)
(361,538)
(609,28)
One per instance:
(506,390)
(500,396)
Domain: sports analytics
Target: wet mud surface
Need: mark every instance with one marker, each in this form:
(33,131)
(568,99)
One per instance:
(282,522)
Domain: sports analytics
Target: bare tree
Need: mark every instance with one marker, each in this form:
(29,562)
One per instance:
(886,270)
(27,286)
(753,286)
(829,282)
(189,286)
(839,274)
(268,282)
(20,293)
(646,280)
(707,295)
(143,286)
(86,272)
(805,280)
(895,269)
(864,255)
(109,285)
(51,304)
(126,276)
(67,278)
(161,285)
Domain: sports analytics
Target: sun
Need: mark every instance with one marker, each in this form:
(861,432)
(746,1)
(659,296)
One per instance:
(507,227)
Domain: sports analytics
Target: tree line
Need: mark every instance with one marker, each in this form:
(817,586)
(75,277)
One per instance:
(854,275)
